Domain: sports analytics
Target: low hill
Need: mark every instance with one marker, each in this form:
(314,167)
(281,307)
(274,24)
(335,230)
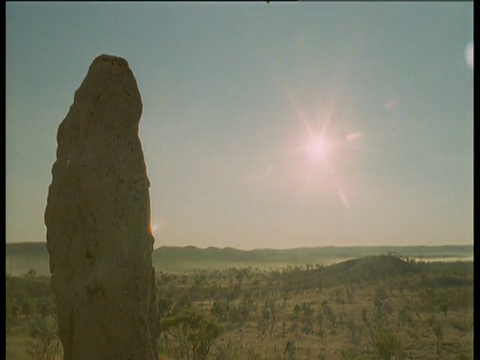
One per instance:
(370,268)
(374,266)
(21,257)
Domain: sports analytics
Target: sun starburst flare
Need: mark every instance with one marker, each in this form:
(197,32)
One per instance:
(323,150)
(317,147)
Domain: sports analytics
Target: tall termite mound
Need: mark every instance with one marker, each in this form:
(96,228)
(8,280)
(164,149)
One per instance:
(98,222)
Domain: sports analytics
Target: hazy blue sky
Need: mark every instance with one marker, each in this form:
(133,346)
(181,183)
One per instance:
(264,125)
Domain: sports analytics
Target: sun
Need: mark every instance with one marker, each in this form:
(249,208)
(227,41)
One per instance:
(323,140)
(317,147)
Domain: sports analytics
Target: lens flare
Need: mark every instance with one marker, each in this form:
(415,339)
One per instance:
(354,136)
(343,198)
(317,147)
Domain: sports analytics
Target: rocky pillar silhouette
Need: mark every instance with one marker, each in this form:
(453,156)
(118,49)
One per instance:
(98,222)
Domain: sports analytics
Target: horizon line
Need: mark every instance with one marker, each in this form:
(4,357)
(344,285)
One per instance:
(291,248)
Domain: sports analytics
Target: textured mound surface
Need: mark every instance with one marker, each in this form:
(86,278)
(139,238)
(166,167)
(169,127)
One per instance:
(97,218)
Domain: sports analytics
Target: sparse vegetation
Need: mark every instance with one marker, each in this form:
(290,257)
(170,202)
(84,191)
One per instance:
(380,307)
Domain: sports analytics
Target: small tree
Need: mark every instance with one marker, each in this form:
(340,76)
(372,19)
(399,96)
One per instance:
(164,306)
(444,309)
(296,309)
(10,312)
(47,343)
(194,331)
(437,331)
(265,318)
(30,274)
(354,331)
(271,306)
(403,316)
(387,344)
(28,305)
(290,349)
(220,309)
(320,321)
(307,313)
(364,316)
(185,302)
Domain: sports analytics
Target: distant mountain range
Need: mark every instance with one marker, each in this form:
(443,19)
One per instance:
(21,257)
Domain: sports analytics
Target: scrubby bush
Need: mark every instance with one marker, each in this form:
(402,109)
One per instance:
(194,331)
(387,344)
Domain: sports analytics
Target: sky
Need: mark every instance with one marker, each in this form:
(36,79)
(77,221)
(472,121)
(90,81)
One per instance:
(275,125)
